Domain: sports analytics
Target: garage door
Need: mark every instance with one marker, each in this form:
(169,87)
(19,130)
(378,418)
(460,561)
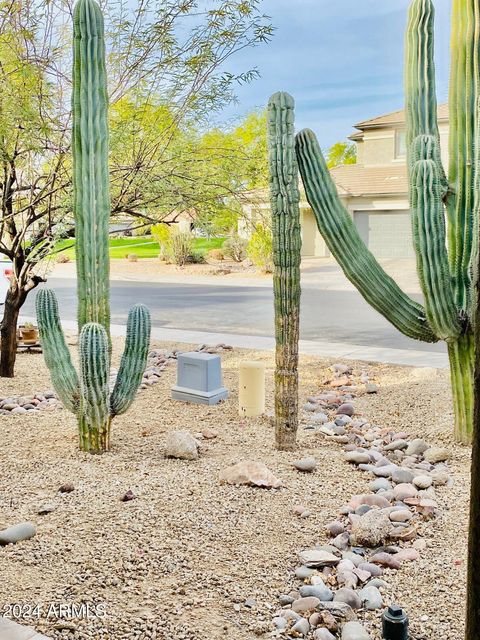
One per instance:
(386,234)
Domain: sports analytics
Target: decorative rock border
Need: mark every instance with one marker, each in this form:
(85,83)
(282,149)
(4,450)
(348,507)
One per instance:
(375,532)
(158,360)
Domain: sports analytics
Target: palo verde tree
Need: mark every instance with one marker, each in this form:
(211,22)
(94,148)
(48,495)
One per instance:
(444,255)
(168,62)
(88,394)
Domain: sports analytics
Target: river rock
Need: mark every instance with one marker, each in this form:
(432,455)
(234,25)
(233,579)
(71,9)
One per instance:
(371,598)
(372,529)
(384,471)
(354,631)
(401,475)
(357,457)
(17,533)
(436,454)
(320,591)
(346,409)
(318,558)
(348,596)
(404,490)
(305,604)
(335,528)
(373,569)
(385,560)
(396,445)
(307,465)
(323,634)
(400,515)
(301,627)
(423,482)
(303,573)
(250,473)
(380,484)
(181,445)
(416,447)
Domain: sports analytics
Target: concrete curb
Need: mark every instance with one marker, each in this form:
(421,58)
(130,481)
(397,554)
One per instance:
(10,630)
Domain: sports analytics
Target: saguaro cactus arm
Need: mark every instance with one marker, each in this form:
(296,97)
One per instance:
(56,352)
(286,232)
(91,202)
(343,240)
(134,359)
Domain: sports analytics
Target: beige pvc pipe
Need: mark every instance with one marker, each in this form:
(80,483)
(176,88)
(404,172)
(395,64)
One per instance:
(251,392)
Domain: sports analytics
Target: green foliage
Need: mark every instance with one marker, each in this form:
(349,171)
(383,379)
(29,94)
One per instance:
(235,247)
(259,248)
(163,235)
(341,153)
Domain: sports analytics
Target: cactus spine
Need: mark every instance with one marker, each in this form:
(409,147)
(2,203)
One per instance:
(286,231)
(445,275)
(88,394)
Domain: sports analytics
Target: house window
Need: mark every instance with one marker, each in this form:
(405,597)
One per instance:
(400,144)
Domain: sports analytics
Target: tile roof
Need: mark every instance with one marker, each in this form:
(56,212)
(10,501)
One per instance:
(397,117)
(357,180)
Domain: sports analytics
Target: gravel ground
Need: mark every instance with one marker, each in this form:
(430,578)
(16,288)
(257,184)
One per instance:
(179,561)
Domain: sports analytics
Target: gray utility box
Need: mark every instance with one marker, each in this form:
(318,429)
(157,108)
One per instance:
(199,379)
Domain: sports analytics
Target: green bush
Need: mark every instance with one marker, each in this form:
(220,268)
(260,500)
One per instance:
(163,235)
(259,248)
(235,248)
(181,248)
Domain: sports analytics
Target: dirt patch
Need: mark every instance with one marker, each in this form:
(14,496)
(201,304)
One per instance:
(180,560)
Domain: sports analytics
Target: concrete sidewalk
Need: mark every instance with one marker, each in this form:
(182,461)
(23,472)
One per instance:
(339,350)
(10,630)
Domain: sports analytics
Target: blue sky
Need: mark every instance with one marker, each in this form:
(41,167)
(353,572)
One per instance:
(342,60)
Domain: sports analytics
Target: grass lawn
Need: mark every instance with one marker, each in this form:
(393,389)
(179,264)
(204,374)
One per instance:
(143,247)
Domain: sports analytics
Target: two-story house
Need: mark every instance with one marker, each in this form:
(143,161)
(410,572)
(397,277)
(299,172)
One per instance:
(375,190)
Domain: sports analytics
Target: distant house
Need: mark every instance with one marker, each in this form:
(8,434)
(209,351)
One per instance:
(375,190)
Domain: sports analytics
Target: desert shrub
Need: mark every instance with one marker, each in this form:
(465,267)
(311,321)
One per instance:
(132,257)
(259,248)
(163,235)
(181,248)
(196,257)
(215,254)
(235,248)
(62,258)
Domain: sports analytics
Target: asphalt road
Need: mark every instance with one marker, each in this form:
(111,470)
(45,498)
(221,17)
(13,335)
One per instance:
(338,316)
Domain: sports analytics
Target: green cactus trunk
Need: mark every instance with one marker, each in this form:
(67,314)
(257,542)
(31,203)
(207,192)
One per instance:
(286,232)
(88,394)
(461,354)
(445,275)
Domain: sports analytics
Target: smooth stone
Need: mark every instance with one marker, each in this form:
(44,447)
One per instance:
(396,445)
(423,482)
(372,500)
(348,596)
(280,623)
(380,584)
(357,457)
(416,447)
(335,528)
(181,445)
(373,569)
(17,533)
(400,476)
(384,471)
(436,454)
(319,418)
(19,410)
(284,599)
(46,508)
(400,515)
(347,579)
(304,572)
(345,565)
(307,465)
(305,604)
(371,387)
(342,541)
(385,560)
(301,627)
(407,555)
(362,509)
(380,484)
(440,478)
(346,408)
(318,558)
(371,598)
(323,634)
(341,422)
(319,591)
(405,490)
(354,631)
(354,558)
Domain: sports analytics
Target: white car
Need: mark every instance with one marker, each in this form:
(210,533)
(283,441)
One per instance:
(5,275)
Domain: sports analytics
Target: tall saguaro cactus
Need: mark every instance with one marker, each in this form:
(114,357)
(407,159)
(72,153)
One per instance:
(286,231)
(88,393)
(444,210)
